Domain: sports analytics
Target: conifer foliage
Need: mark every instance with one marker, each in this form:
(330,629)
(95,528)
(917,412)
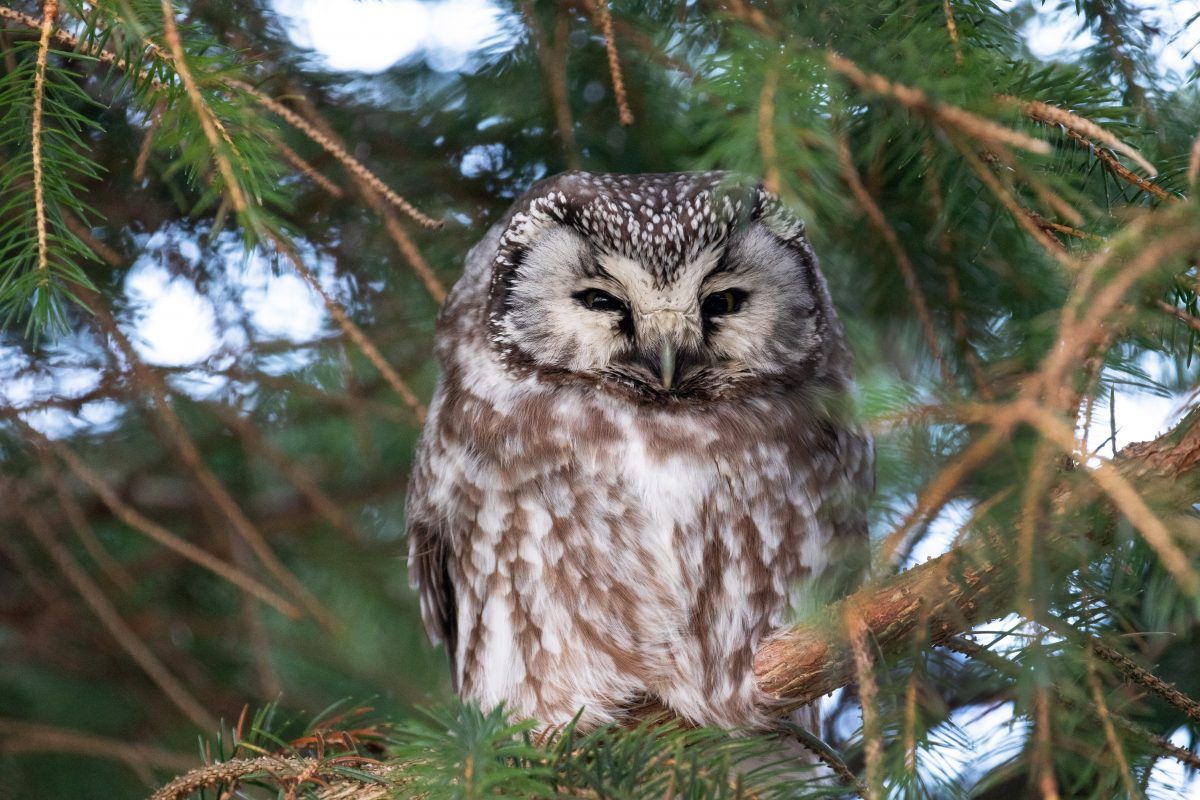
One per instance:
(194,524)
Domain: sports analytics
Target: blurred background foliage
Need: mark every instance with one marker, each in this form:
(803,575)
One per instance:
(219,321)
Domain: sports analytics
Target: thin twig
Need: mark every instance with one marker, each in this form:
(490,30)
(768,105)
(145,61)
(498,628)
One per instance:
(255,441)
(1110,732)
(952,29)
(879,222)
(143,156)
(10,55)
(868,692)
(1003,192)
(1058,227)
(49,13)
(269,684)
(78,521)
(46,591)
(552,58)
(953,289)
(915,100)
(766,131)
(1179,314)
(1193,169)
(1043,758)
(1120,170)
(1052,115)
(100,605)
(17,736)
(1139,674)
(135,520)
(1030,517)
(826,754)
(614,62)
(404,243)
(208,121)
(937,492)
(309,170)
(352,330)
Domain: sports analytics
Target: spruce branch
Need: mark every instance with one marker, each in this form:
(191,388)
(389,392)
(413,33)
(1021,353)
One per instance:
(49,13)
(878,221)
(1054,116)
(353,331)
(353,165)
(552,58)
(952,30)
(17,736)
(214,131)
(152,530)
(399,236)
(772,181)
(948,116)
(614,62)
(1110,731)
(108,615)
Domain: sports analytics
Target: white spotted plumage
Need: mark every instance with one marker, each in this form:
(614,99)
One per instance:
(592,530)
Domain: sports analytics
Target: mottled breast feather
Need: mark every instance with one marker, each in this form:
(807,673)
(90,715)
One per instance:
(575,549)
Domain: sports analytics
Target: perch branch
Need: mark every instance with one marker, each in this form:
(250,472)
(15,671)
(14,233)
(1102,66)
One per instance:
(947,595)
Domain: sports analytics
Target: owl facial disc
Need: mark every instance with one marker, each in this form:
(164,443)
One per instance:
(661,288)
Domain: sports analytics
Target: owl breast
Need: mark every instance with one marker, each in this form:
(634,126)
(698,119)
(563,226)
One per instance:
(604,555)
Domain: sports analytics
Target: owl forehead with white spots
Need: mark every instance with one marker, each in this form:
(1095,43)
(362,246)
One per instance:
(666,287)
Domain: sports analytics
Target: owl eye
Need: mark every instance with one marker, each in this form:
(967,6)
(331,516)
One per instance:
(720,303)
(598,300)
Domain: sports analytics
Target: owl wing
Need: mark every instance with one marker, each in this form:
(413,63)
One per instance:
(429,574)
(429,560)
(852,483)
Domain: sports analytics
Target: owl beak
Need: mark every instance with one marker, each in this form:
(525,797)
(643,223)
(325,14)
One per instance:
(666,364)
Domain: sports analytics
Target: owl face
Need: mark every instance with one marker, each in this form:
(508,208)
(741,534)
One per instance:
(662,287)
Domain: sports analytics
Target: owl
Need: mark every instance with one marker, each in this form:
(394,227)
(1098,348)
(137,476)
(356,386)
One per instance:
(638,457)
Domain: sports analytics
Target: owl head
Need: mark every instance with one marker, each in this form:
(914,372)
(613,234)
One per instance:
(664,288)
